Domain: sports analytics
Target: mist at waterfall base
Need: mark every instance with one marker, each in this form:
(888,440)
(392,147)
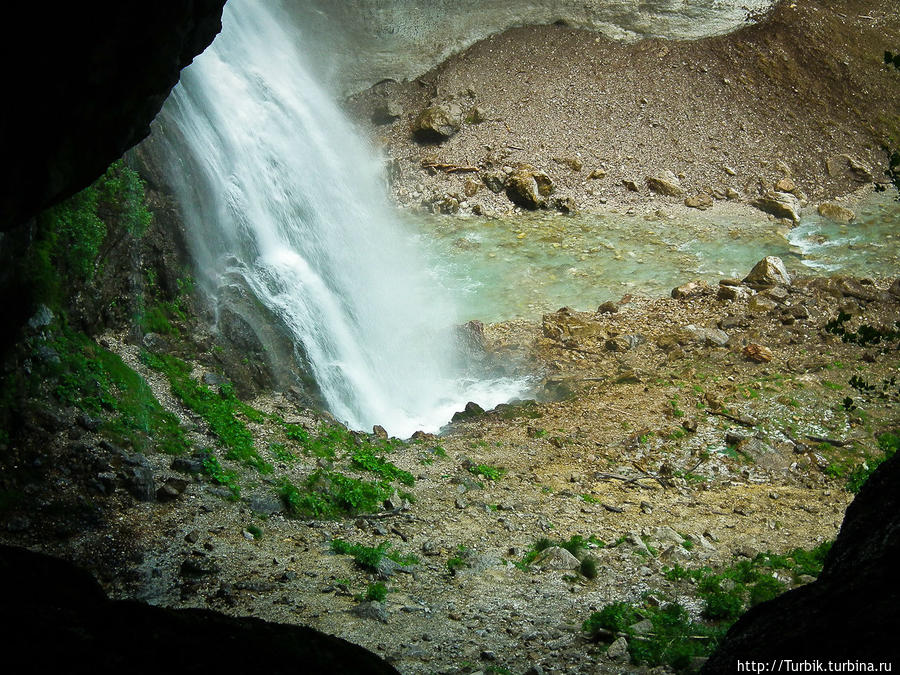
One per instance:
(277,189)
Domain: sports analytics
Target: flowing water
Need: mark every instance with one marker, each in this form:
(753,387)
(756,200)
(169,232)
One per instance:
(276,188)
(522,267)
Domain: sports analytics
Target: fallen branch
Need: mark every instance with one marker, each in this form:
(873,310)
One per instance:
(743,421)
(661,481)
(450,168)
(830,441)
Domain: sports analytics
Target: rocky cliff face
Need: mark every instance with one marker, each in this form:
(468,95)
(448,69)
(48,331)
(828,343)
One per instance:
(846,613)
(83,82)
(363,42)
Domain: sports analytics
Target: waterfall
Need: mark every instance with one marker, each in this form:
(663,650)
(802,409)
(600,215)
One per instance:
(276,186)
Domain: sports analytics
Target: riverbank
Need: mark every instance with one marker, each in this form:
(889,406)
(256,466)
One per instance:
(800,103)
(674,433)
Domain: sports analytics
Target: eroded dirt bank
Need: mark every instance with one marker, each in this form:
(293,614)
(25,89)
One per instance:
(800,103)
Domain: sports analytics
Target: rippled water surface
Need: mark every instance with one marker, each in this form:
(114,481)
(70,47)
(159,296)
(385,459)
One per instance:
(536,263)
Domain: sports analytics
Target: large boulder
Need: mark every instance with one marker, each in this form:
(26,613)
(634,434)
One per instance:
(851,611)
(437,123)
(779,204)
(529,187)
(768,272)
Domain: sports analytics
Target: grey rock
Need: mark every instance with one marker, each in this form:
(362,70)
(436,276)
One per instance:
(42,317)
(140,483)
(780,205)
(770,271)
(494,180)
(556,558)
(266,505)
(376,611)
(642,627)
(665,183)
(618,650)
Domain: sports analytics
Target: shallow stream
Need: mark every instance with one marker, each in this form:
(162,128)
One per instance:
(535,263)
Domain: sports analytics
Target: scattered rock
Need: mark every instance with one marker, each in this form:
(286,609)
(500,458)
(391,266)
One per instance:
(494,180)
(780,205)
(529,187)
(689,289)
(171,490)
(437,123)
(785,184)
(380,432)
(556,558)
(618,650)
(376,611)
(836,212)
(665,183)
(608,307)
(770,271)
(757,353)
(630,185)
(701,201)
(597,174)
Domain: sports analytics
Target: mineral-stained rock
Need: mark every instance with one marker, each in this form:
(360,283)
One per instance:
(529,187)
(565,324)
(437,123)
(770,271)
(727,292)
(689,289)
(758,353)
(665,183)
(780,205)
(836,212)
(785,184)
(701,201)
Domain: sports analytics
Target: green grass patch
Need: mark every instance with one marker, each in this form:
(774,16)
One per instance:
(220,410)
(98,382)
(675,640)
(888,443)
(370,557)
(487,471)
(330,494)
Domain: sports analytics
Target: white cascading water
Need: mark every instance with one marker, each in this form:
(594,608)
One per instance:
(283,191)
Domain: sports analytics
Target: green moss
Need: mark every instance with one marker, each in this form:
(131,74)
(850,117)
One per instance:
(75,236)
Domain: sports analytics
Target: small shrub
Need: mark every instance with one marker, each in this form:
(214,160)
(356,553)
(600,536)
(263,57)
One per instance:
(487,471)
(376,592)
(589,567)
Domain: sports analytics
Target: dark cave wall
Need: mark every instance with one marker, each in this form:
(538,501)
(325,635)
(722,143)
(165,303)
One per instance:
(851,611)
(83,81)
